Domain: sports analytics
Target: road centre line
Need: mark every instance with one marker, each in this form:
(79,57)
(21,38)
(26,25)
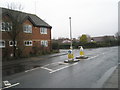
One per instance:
(92,57)
(63,68)
(95,56)
(10,86)
(51,71)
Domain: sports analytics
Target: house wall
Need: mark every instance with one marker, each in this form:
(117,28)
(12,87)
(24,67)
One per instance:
(35,36)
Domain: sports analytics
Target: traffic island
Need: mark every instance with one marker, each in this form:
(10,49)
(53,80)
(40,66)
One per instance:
(71,61)
(81,57)
(70,57)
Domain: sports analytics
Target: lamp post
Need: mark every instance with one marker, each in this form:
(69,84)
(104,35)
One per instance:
(70,34)
(70,53)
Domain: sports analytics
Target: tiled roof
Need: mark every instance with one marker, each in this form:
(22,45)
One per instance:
(34,18)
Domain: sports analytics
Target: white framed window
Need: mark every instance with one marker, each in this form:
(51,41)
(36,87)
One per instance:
(0,26)
(11,43)
(27,28)
(2,43)
(28,43)
(43,30)
(3,26)
(44,43)
(6,26)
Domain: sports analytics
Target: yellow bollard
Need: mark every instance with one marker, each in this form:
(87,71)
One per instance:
(82,56)
(81,51)
(70,56)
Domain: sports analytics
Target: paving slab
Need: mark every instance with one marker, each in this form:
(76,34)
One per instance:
(112,82)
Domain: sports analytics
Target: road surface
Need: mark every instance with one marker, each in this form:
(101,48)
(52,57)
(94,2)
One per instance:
(54,73)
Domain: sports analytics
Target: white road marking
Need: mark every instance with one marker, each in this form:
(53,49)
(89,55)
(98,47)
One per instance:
(63,68)
(52,63)
(47,69)
(95,56)
(6,83)
(44,67)
(10,86)
(32,69)
(92,57)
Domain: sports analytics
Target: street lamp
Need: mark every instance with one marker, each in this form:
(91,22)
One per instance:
(70,34)
(70,53)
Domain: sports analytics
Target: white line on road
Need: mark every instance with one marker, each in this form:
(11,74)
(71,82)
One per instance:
(63,68)
(47,69)
(95,56)
(32,69)
(92,57)
(52,63)
(44,67)
(10,86)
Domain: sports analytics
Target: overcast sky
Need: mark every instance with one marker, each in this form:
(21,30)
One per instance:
(92,17)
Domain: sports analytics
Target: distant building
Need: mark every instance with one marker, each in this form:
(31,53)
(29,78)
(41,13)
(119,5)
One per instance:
(66,41)
(102,38)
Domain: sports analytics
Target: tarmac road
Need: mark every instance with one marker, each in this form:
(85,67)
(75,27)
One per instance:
(54,73)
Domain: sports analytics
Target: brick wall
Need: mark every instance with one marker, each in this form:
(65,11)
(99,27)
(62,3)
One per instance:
(35,36)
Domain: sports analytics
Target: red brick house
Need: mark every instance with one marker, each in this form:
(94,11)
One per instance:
(35,35)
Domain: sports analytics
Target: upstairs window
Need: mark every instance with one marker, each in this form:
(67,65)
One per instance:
(43,30)
(2,43)
(11,43)
(6,26)
(28,43)
(44,43)
(3,26)
(27,28)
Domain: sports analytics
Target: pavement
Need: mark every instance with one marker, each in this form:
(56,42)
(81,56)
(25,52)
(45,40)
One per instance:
(30,59)
(113,80)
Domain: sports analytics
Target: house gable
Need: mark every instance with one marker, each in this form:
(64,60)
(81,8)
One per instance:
(26,19)
(6,17)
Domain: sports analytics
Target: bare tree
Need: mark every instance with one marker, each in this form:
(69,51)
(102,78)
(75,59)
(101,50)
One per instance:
(14,6)
(15,25)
